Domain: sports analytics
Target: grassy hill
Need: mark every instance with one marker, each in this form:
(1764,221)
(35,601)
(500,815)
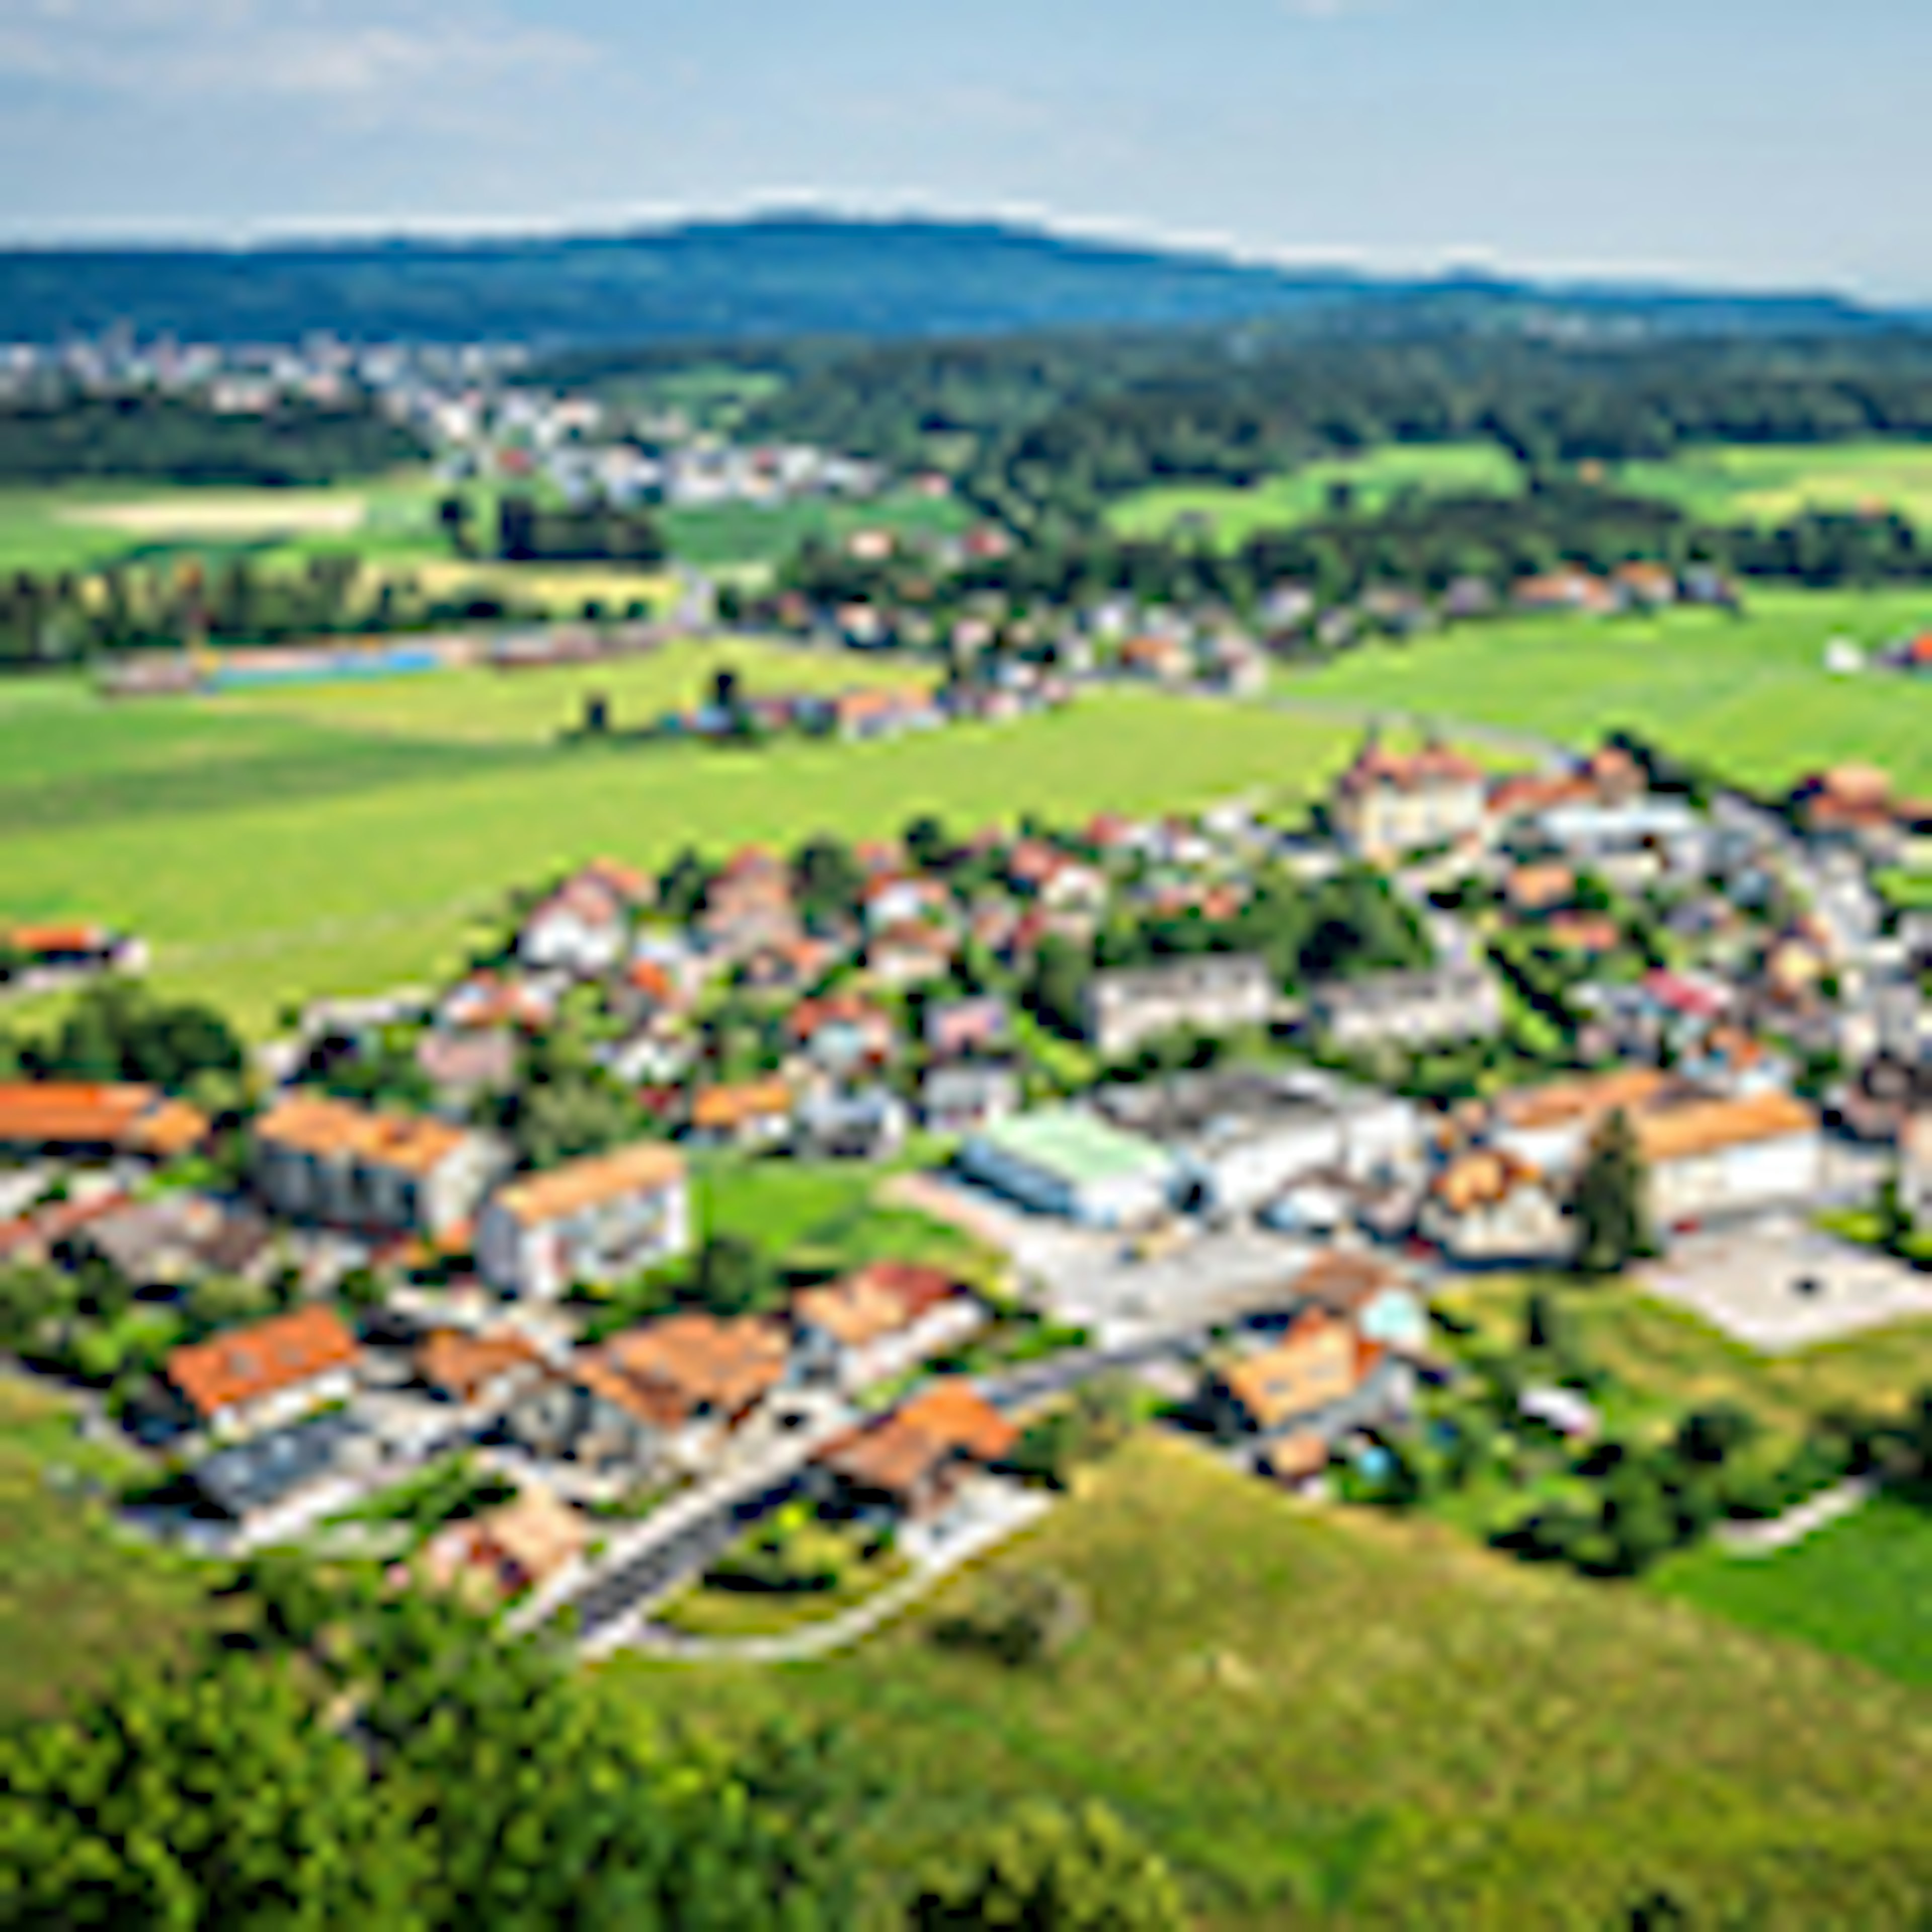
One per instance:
(1339,1721)
(1772,483)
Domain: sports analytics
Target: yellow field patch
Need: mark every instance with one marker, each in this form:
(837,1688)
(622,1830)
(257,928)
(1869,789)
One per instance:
(254,514)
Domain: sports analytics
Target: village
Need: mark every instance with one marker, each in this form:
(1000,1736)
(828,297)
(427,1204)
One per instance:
(1209,1109)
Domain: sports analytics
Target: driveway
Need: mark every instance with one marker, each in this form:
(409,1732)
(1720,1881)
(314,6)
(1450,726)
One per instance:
(1781,1286)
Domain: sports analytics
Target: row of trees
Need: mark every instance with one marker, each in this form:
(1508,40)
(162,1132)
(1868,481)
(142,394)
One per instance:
(178,439)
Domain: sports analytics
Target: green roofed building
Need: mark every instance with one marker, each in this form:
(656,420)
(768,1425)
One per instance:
(1069,1162)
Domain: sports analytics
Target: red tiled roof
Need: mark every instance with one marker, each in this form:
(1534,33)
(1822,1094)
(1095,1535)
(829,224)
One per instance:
(248,1364)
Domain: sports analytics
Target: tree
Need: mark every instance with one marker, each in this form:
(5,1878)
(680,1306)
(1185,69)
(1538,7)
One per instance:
(1611,1216)
(220,1301)
(828,880)
(733,1277)
(1053,1871)
(217,1799)
(1895,1220)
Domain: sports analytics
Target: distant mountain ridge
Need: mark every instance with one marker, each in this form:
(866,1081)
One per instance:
(793,275)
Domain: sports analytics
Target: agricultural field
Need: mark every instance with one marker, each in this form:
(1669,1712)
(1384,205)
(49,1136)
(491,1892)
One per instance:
(743,535)
(1231,516)
(1749,696)
(72,1588)
(1772,483)
(1860,1589)
(276,853)
(1337,1719)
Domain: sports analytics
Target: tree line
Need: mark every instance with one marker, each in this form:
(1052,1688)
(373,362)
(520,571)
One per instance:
(180,439)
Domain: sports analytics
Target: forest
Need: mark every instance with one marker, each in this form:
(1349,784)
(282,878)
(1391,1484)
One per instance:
(171,438)
(1047,429)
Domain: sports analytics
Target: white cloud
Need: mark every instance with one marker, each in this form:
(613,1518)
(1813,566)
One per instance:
(342,49)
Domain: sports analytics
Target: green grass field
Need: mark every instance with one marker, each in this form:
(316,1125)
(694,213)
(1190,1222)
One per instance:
(342,839)
(1749,696)
(1341,1721)
(1772,483)
(1861,1588)
(73,1593)
(1232,516)
(747,533)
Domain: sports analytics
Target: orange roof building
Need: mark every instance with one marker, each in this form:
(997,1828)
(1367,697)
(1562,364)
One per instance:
(914,1460)
(70,1117)
(1387,803)
(698,1368)
(466,1368)
(601,1219)
(750,1111)
(268,1372)
(518,1547)
(317,1158)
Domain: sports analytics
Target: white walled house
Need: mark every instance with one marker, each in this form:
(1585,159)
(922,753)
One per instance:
(1211,993)
(318,1158)
(1714,1156)
(268,1374)
(599,1220)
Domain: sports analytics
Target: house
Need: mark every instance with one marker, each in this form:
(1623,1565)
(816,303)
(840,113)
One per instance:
(1380,1304)
(965,1029)
(896,900)
(268,1373)
(1067,1161)
(488,1001)
(580,929)
(750,1113)
(463,1067)
(283,1479)
(1645,586)
(1915,1166)
(600,1219)
(877,1324)
(1212,993)
(910,955)
(748,906)
(1849,804)
(1537,889)
(49,953)
(842,1035)
(964,1096)
(1237,1139)
(58,1117)
(1166,660)
(487,1371)
(1488,1206)
(168,1242)
(1708,1155)
(1313,1379)
(519,1547)
(318,1158)
(911,1465)
(1429,1006)
(1387,804)
(863,1124)
(1549,1128)
(1562,1411)
(1566,590)
(702,1376)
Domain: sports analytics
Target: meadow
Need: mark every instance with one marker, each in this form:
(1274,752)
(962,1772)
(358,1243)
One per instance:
(727,534)
(342,839)
(1772,483)
(1333,1719)
(72,1588)
(1231,516)
(1748,696)
(1861,1588)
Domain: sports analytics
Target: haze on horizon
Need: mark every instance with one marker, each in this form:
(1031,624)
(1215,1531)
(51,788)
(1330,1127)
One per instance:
(1756,143)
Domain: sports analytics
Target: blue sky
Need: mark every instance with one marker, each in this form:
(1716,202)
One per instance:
(1750,141)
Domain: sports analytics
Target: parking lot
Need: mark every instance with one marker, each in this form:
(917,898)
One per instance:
(1780,1285)
(1092,1279)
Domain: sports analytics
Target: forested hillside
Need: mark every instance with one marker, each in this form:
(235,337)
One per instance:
(778,277)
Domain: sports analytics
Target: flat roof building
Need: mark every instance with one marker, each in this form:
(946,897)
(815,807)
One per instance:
(1069,1162)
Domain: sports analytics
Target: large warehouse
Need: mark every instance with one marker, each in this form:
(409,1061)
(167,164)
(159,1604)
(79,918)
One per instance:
(1066,1161)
